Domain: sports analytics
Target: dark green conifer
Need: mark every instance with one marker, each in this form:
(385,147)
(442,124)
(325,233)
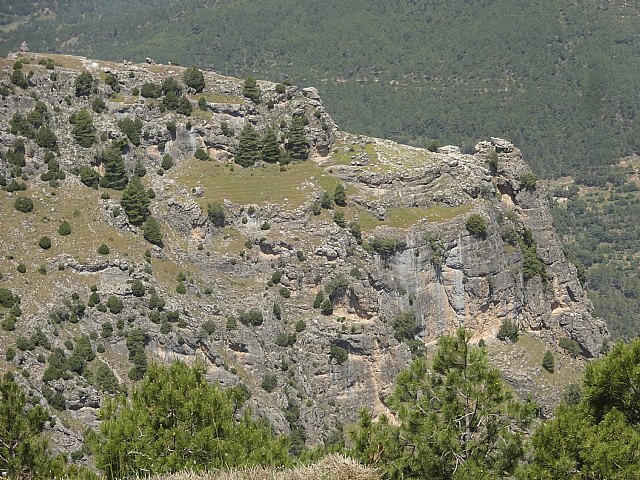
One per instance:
(251,89)
(135,201)
(115,175)
(270,148)
(297,144)
(249,147)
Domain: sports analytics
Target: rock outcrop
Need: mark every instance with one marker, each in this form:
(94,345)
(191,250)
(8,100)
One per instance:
(399,246)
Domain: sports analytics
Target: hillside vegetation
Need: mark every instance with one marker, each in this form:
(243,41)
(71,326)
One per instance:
(557,78)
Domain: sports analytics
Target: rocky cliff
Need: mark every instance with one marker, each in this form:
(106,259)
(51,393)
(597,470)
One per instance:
(314,307)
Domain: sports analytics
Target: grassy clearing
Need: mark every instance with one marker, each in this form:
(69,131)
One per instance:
(259,186)
(214,97)
(332,467)
(344,153)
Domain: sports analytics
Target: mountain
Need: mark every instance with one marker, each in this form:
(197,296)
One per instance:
(557,78)
(133,233)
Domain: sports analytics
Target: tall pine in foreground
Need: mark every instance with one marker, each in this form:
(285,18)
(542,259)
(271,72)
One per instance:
(175,421)
(135,201)
(248,152)
(456,419)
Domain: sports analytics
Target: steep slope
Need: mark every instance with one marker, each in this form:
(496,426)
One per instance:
(424,242)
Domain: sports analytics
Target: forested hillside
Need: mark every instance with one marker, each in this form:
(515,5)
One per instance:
(557,78)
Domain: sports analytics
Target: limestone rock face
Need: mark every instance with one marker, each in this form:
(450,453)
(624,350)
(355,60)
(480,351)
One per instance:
(399,245)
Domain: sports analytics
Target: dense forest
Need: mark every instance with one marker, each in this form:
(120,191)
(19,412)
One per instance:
(557,78)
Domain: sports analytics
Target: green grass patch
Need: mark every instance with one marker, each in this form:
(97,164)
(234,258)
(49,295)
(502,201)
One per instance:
(260,185)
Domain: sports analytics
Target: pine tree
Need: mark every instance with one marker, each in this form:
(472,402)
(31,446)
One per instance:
(270,148)
(115,175)
(176,420)
(84,84)
(135,201)
(23,452)
(297,143)
(248,148)
(194,78)
(83,130)
(251,90)
(548,362)
(340,195)
(456,419)
(153,232)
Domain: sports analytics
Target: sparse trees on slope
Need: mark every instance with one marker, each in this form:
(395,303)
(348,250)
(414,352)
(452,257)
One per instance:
(174,420)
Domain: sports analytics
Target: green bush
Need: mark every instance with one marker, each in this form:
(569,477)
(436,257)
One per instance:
(65,228)
(200,154)
(251,318)
(181,289)
(326,307)
(215,213)
(114,304)
(569,345)
(153,232)
(84,84)
(300,325)
(528,181)
(548,362)
(285,292)
(251,90)
(103,249)
(339,354)
(23,204)
(167,161)
(405,326)
(194,78)
(476,225)
(44,243)
(7,298)
(508,331)
(21,268)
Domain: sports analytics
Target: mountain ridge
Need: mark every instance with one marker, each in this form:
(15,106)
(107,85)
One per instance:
(412,269)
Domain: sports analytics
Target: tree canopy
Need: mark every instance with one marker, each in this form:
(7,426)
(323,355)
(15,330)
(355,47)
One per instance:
(175,420)
(457,419)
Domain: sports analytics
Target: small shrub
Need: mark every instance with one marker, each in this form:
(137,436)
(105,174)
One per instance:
(23,204)
(300,326)
(548,362)
(269,383)
(569,345)
(208,327)
(285,292)
(339,354)
(326,307)
(114,304)
(167,161)
(200,154)
(405,326)
(476,225)
(265,226)
(508,331)
(103,249)
(65,228)
(251,318)
(45,243)
(528,181)
(21,268)
(181,289)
